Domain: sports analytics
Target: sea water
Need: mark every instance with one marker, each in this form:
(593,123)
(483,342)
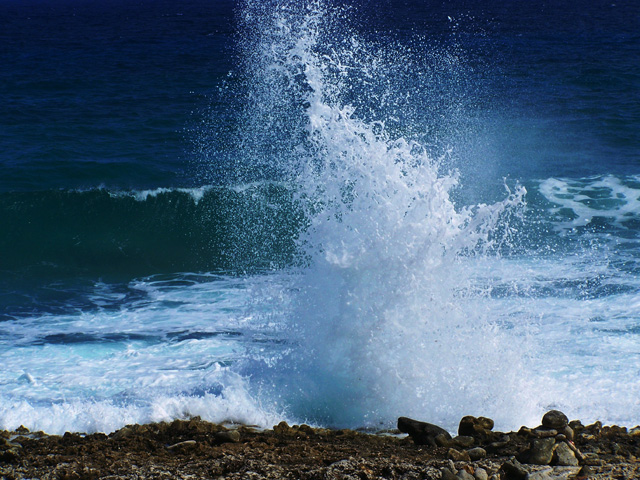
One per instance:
(318,212)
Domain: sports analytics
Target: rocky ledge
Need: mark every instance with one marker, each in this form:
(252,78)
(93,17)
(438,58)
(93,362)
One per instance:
(188,449)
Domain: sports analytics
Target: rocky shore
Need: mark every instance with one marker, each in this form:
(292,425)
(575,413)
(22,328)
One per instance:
(194,449)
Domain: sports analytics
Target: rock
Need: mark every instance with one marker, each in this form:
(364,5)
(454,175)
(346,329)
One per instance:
(458,456)
(464,475)
(446,474)
(592,459)
(555,419)
(123,433)
(481,474)
(585,471)
(470,425)
(568,432)
(477,453)
(563,455)
(555,473)
(443,440)
(282,428)
(543,432)
(229,436)
(179,445)
(541,451)
(421,433)
(463,441)
(540,474)
(513,470)
(10,456)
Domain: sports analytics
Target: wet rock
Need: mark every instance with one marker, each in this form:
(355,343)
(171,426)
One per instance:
(564,455)
(477,453)
(513,470)
(472,426)
(421,433)
(458,456)
(555,419)
(541,451)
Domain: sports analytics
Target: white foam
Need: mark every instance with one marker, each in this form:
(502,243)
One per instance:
(167,355)
(196,194)
(608,196)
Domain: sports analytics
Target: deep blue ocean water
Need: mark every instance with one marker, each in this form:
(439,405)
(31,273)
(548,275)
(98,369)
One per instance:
(318,211)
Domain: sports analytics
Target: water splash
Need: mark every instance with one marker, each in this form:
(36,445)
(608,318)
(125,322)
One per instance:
(379,320)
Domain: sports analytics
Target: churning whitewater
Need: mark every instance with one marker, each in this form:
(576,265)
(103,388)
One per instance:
(356,281)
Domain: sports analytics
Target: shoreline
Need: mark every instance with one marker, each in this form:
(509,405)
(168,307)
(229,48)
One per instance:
(195,448)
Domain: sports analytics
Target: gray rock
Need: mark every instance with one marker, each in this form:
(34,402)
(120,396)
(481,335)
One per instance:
(555,419)
(564,456)
(513,470)
(447,474)
(464,475)
(421,433)
(481,474)
(477,453)
(540,474)
(541,451)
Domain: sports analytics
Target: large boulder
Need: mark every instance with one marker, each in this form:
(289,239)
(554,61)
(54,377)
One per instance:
(473,426)
(555,419)
(422,433)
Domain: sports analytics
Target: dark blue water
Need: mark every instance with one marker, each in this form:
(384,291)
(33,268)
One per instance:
(135,143)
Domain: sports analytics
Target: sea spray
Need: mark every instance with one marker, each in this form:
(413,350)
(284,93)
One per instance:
(379,322)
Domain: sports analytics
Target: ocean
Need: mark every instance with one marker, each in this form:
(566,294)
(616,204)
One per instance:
(317,211)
